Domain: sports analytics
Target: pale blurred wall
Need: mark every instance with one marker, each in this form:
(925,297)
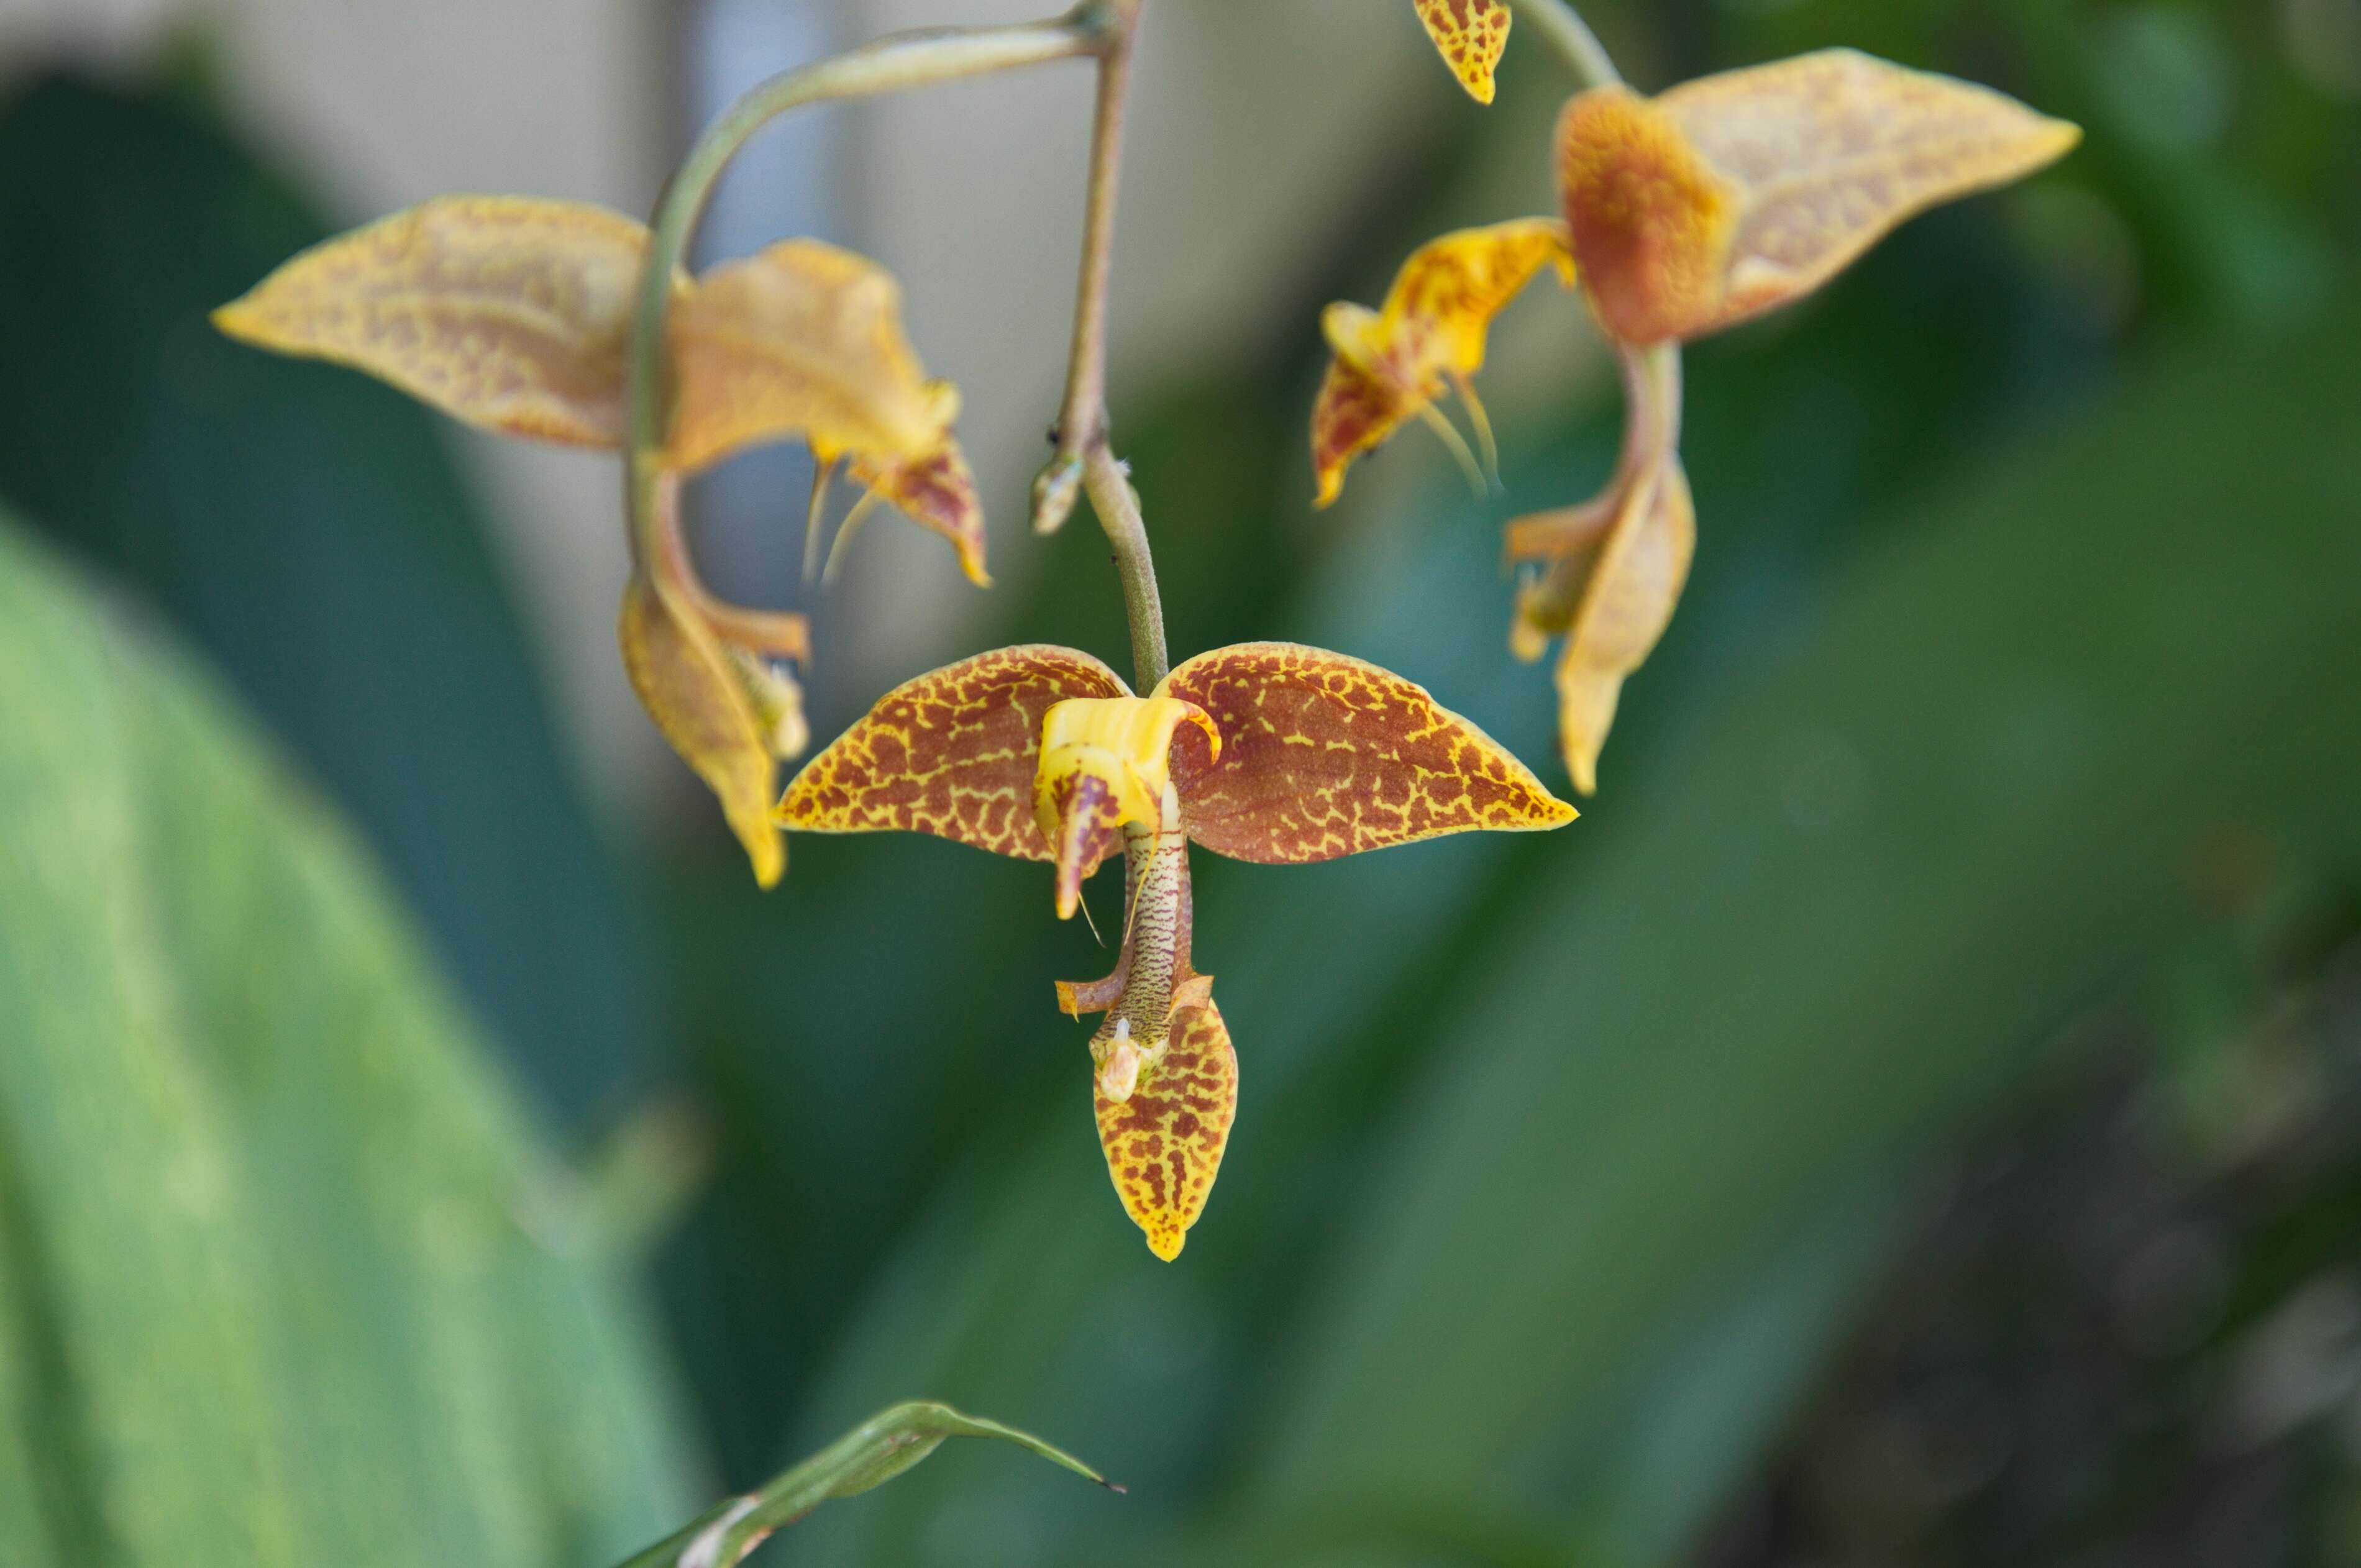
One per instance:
(1251,118)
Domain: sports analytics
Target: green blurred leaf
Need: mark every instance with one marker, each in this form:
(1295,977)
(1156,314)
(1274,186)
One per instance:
(284,1279)
(873,1454)
(307,531)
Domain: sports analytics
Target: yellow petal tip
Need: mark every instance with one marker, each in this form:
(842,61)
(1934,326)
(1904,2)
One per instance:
(1167,1245)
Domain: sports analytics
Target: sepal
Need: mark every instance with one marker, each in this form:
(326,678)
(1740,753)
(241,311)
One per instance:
(953,753)
(1324,755)
(1736,193)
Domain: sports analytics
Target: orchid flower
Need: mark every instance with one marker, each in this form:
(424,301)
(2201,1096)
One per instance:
(1684,214)
(512,314)
(1263,751)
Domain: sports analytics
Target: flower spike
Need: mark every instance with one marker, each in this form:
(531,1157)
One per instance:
(1471,36)
(1393,363)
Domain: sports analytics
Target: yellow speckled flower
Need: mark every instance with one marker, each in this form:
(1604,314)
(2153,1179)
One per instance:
(1265,752)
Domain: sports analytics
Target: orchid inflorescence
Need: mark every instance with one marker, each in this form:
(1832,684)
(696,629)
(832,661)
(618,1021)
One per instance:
(1683,214)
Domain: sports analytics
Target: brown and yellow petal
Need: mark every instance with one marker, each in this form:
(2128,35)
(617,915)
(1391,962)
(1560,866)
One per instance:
(1471,36)
(1325,755)
(1356,411)
(801,338)
(1627,592)
(729,716)
(952,753)
(1164,1141)
(1104,762)
(1391,363)
(1449,289)
(936,491)
(508,312)
(1733,194)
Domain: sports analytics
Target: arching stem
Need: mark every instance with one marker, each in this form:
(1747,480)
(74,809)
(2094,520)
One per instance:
(905,59)
(1570,38)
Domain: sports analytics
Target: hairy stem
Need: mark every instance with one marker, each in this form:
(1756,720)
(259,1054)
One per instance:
(906,60)
(1563,29)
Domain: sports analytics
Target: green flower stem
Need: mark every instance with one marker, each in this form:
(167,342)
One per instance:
(1082,416)
(1118,509)
(1563,29)
(905,59)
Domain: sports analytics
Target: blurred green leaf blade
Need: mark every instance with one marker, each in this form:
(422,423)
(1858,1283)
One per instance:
(873,1454)
(267,1288)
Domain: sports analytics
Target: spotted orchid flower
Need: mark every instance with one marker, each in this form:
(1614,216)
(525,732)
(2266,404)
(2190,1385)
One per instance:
(513,315)
(1684,214)
(1263,751)
(1393,363)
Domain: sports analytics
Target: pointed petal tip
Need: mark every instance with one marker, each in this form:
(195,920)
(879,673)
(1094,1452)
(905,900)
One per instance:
(1167,1244)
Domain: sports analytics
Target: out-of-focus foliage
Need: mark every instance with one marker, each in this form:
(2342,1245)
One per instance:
(2133,1331)
(283,1279)
(308,531)
(871,1454)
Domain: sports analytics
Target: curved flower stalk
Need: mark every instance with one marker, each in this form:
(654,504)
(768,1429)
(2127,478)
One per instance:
(1684,214)
(513,315)
(1263,751)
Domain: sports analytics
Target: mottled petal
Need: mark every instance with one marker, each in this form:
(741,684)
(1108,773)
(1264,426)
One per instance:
(725,713)
(936,491)
(952,753)
(1390,364)
(1325,755)
(1356,412)
(802,339)
(1736,193)
(1104,762)
(1471,35)
(1624,605)
(1652,220)
(507,312)
(1081,816)
(1451,287)
(1164,1142)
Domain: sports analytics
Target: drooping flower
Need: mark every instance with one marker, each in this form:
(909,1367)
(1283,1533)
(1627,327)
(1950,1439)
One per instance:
(1471,35)
(1684,214)
(514,314)
(1393,363)
(1264,751)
